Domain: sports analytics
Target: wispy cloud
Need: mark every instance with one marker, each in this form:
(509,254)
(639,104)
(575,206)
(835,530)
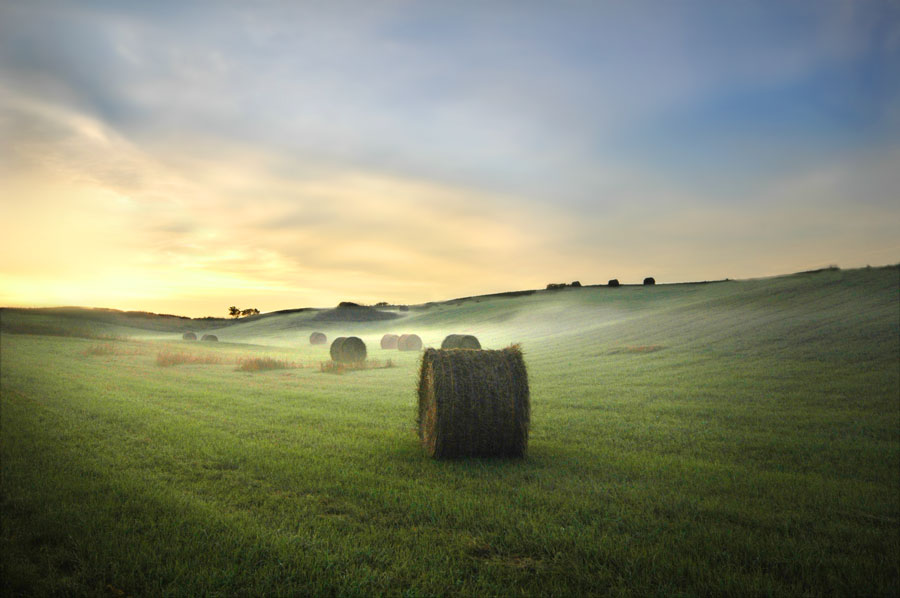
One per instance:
(298,153)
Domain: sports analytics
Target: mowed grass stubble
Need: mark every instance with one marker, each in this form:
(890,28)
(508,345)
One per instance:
(754,450)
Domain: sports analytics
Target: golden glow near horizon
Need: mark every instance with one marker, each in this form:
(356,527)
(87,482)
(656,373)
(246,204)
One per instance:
(159,170)
(101,224)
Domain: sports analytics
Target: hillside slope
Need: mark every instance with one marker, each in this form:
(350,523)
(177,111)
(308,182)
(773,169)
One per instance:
(851,313)
(733,438)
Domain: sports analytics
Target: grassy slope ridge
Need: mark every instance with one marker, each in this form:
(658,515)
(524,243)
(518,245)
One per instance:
(727,438)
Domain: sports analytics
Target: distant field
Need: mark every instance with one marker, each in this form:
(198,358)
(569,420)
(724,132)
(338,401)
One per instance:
(731,438)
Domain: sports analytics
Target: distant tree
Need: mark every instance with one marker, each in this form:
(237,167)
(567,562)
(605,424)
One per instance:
(252,311)
(381,304)
(575,284)
(234,312)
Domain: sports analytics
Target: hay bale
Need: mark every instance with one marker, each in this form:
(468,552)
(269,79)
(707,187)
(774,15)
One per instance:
(189,336)
(460,341)
(474,403)
(209,338)
(409,342)
(318,338)
(614,282)
(350,349)
(336,348)
(649,280)
(389,341)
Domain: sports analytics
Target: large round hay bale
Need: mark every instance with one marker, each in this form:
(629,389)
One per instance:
(318,338)
(336,348)
(460,341)
(349,349)
(613,282)
(474,403)
(189,336)
(409,342)
(389,341)
(209,338)
(649,280)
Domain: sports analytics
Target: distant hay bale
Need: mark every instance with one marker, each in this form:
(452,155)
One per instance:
(409,342)
(649,280)
(460,341)
(189,336)
(614,282)
(350,349)
(473,403)
(336,348)
(209,338)
(318,338)
(389,341)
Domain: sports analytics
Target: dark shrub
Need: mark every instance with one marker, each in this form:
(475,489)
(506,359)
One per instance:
(649,280)
(614,282)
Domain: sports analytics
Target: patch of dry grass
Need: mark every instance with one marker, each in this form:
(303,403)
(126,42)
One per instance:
(255,364)
(169,358)
(110,349)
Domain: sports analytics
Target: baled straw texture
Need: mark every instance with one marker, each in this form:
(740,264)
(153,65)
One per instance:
(209,337)
(389,341)
(189,336)
(318,338)
(409,342)
(349,349)
(460,341)
(474,403)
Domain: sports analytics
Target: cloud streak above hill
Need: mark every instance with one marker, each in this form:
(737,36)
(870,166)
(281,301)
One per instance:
(175,156)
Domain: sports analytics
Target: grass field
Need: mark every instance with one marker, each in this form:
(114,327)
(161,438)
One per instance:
(731,438)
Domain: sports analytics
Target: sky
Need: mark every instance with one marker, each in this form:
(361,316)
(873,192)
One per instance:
(182,157)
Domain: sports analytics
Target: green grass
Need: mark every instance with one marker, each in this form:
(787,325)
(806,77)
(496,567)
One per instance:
(737,438)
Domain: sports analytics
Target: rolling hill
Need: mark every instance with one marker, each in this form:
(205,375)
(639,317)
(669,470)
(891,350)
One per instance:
(735,437)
